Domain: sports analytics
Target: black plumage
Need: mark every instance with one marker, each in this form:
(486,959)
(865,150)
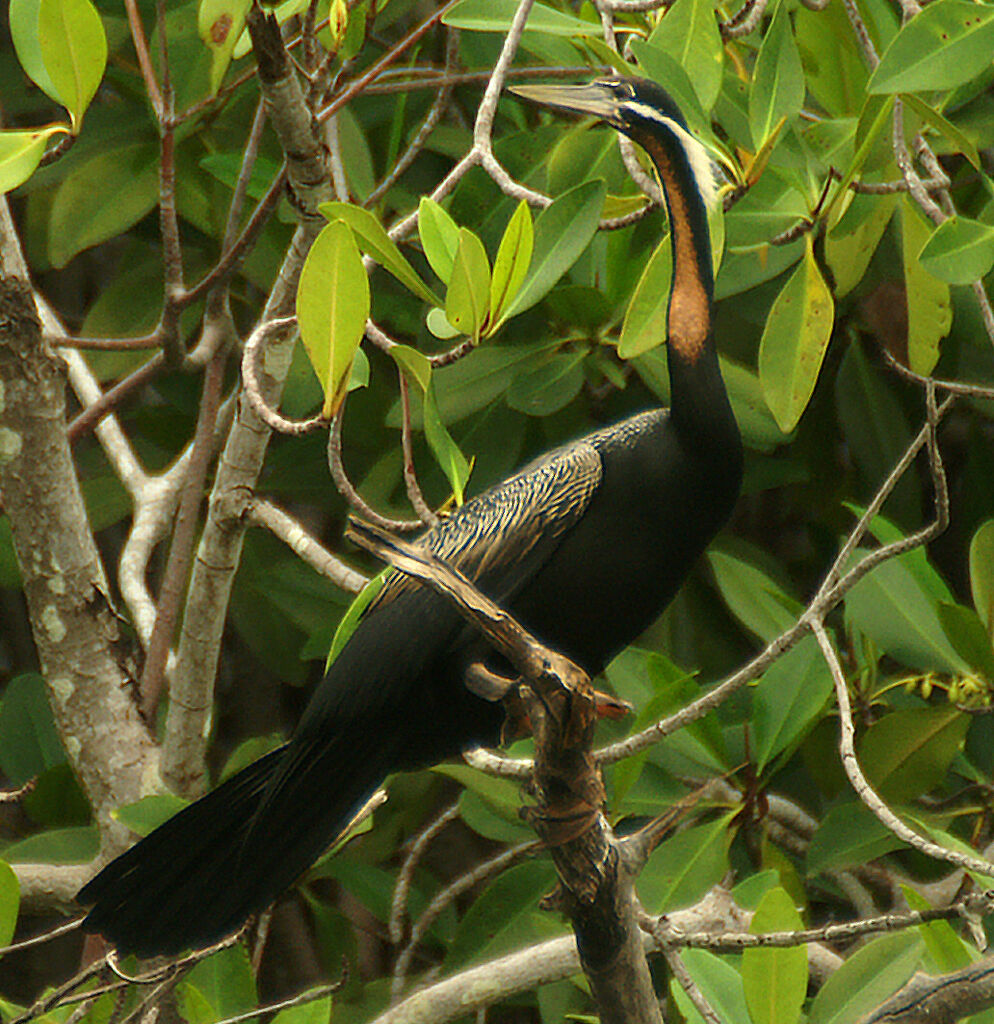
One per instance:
(585,547)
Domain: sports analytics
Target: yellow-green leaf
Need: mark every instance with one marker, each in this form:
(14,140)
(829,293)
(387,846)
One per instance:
(332,309)
(10,898)
(21,152)
(467,300)
(74,50)
(930,312)
(689,34)
(943,126)
(24,35)
(415,365)
(348,622)
(439,236)
(778,80)
(450,459)
(219,24)
(380,246)
(959,251)
(794,341)
(514,256)
(982,573)
(644,326)
(775,979)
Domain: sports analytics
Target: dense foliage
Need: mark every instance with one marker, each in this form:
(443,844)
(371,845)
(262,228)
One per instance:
(855,239)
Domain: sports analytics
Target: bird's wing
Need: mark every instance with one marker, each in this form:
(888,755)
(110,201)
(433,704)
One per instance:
(500,538)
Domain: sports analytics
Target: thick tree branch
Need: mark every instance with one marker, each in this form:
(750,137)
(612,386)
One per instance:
(75,628)
(597,877)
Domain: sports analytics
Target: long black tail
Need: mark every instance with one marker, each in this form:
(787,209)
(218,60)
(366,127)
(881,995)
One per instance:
(201,874)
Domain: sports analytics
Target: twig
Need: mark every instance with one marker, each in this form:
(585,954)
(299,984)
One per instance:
(348,491)
(46,936)
(279,329)
(181,549)
(862,33)
(416,498)
(402,887)
(745,20)
(302,998)
(687,983)
(733,942)
(378,66)
(431,119)
(867,794)
(951,386)
(232,257)
(265,514)
(144,58)
(446,897)
(114,396)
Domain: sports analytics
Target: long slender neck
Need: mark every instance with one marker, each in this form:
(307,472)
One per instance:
(698,400)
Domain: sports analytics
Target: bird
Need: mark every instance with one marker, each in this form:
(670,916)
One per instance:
(585,547)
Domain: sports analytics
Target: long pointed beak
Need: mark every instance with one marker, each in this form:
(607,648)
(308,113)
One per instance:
(593,98)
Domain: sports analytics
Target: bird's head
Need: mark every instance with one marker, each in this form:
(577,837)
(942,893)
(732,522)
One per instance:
(637,107)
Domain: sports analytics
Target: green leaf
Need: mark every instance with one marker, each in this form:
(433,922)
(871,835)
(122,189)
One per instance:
(349,621)
(57,846)
(787,700)
(447,454)
(24,35)
(332,309)
(664,68)
(317,1011)
(683,868)
(74,49)
(794,341)
(943,46)
(982,573)
(29,743)
(689,34)
(873,118)
(220,24)
(21,152)
(439,236)
(775,980)
(514,256)
(116,187)
(849,249)
(548,387)
(645,325)
(218,987)
(467,300)
(893,606)
(492,924)
(450,459)
(946,948)
(502,796)
(563,230)
(848,834)
(10,899)
(720,984)
(752,597)
(778,80)
(945,127)
(867,978)
(150,812)
(380,246)
(959,251)
(497,15)
(907,753)
(967,634)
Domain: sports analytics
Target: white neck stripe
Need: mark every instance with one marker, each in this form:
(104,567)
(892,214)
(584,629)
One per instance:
(701,164)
